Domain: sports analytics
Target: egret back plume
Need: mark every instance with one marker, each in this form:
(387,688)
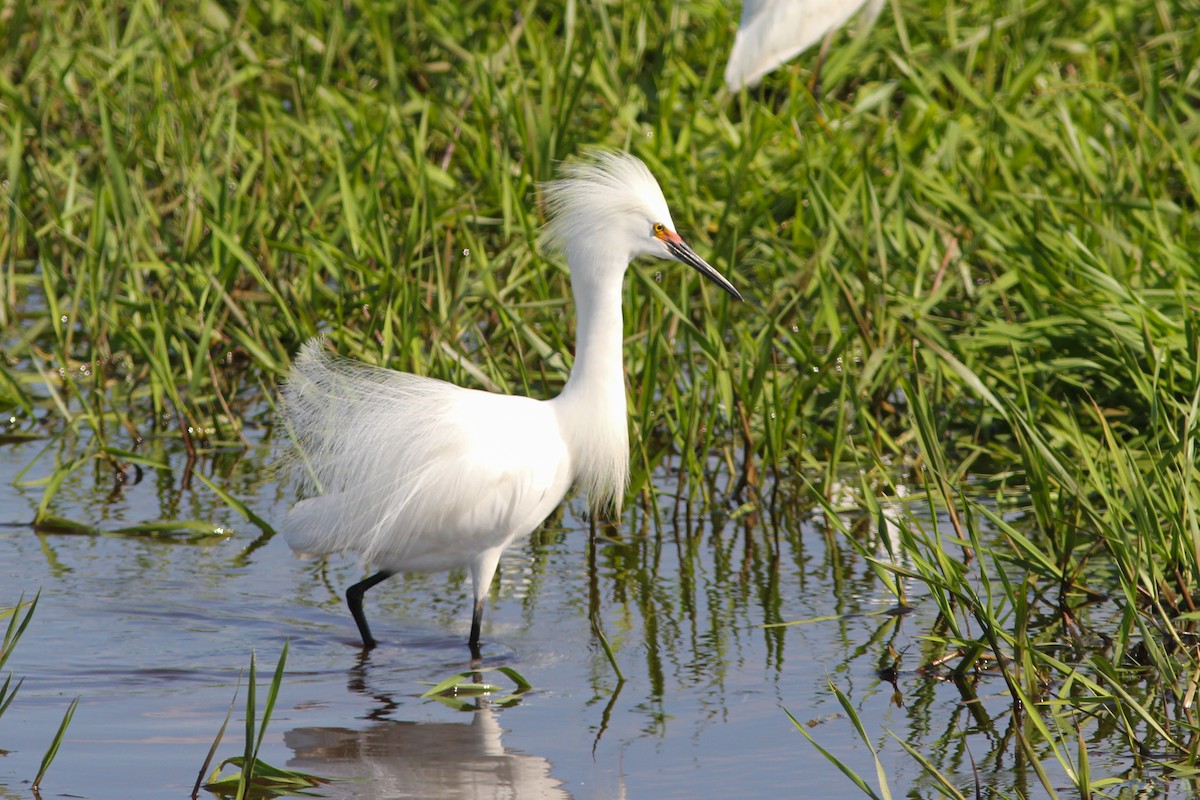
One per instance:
(343,421)
(333,405)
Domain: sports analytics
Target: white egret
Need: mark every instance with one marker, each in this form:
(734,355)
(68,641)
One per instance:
(774,31)
(419,475)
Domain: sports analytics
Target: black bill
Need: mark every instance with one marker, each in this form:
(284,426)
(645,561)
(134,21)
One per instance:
(679,249)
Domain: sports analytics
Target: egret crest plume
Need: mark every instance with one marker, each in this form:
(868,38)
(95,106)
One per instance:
(606,188)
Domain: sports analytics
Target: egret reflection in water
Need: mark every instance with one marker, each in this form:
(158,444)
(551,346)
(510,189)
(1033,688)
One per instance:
(392,759)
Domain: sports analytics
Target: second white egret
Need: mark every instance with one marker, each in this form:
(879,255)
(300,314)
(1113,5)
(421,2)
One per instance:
(774,31)
(419,475)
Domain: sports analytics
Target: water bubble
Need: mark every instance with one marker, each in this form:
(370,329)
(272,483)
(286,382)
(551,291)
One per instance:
(795,329)
(772,415)
(816,369)
(63,319)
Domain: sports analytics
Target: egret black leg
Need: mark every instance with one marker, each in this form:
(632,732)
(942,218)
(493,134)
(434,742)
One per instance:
(354,598)
(476,621)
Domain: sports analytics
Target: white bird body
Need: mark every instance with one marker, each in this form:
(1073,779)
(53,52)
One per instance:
(772,32)
(420,475)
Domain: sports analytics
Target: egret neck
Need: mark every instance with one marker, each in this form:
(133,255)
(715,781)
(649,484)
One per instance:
(591,408)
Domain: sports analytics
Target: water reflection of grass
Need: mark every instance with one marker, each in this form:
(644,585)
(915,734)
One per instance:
(975,257)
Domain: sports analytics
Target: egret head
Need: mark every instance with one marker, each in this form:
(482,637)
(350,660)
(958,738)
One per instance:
(609,210)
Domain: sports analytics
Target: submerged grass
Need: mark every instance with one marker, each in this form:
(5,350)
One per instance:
(465,691)
(973,258)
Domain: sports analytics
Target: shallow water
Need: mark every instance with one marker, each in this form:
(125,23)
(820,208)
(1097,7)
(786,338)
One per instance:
(154,633)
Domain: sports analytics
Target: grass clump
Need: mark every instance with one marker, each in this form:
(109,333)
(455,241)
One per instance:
(253,777)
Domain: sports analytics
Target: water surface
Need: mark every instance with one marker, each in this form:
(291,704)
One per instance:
(154,633)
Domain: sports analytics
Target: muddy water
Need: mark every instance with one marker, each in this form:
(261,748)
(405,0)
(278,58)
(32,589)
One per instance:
(154,633)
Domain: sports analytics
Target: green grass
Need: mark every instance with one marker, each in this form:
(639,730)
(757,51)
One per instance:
(254,778)
(975,258)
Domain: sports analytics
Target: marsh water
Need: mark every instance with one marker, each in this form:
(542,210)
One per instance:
(154,631)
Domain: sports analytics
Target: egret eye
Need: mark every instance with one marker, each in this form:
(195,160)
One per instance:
(659,229)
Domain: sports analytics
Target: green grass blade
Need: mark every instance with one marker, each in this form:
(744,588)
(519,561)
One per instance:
(52,751)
